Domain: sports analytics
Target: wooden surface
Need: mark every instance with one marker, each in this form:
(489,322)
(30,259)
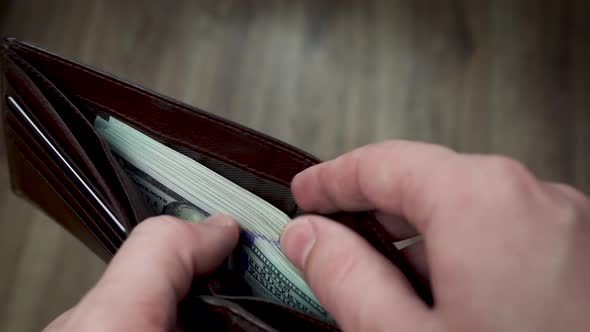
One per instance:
(509,77)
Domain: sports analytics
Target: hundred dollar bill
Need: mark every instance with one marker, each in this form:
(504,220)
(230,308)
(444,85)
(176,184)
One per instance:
(267,281)
(249,260)
(160,198)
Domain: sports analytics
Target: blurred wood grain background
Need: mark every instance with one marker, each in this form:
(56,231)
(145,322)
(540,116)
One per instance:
(507,77)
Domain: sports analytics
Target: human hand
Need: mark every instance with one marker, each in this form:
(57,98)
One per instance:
(505,251)
(150,274)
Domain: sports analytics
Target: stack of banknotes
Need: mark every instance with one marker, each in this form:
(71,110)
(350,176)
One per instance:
(175,184)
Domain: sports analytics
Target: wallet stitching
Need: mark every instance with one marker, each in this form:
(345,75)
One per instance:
(297,156)
(190,145)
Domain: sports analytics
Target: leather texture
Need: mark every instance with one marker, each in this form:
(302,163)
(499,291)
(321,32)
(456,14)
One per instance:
(59,94)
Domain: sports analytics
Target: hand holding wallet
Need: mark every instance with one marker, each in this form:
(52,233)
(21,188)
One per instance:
(60,162)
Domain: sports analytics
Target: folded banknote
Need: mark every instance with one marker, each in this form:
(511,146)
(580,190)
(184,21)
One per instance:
(175,184)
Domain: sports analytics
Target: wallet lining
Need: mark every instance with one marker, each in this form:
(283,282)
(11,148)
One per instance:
(274,193)
(30,153)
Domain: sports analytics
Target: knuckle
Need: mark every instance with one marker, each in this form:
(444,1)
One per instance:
(475,181)
(568,215)
(508,177)
(572,193)
(567,212)
(507,168)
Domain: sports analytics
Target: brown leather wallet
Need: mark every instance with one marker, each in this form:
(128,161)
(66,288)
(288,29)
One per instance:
(48,104)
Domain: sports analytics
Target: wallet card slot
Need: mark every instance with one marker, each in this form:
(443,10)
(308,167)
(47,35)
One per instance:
(78,140)
(30,149)
(53,152)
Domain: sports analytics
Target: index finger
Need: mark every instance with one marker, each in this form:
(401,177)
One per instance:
(389,177)
(152,272)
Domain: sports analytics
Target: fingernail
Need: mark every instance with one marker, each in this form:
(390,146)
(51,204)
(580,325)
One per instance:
(219,220)
(297,240)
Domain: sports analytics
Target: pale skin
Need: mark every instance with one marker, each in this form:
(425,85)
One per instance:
(503,250)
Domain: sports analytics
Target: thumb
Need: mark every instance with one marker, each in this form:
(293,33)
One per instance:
(152,272)
(360,288)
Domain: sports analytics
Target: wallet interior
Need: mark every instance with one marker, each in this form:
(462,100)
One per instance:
(65,115)
(63,98)
(66,108)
